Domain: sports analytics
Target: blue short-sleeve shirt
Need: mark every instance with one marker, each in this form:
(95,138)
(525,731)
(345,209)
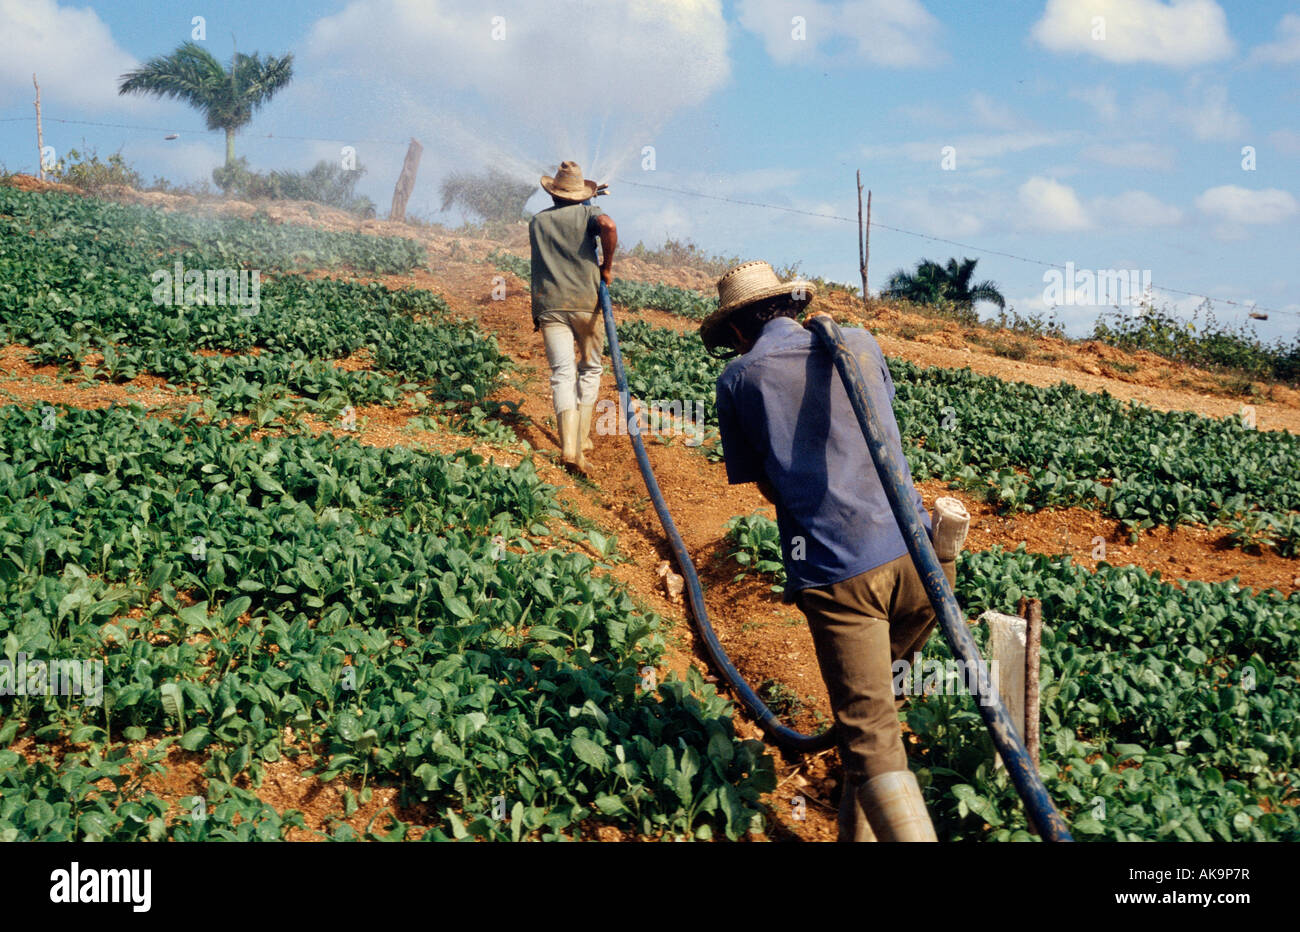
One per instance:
(784,416)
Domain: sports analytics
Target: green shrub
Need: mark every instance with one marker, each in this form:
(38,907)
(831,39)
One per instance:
(491,195)
(91,174)
(327,182)
(1209,345)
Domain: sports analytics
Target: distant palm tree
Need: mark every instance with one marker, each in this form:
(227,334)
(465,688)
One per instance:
(932,283)
(227,98)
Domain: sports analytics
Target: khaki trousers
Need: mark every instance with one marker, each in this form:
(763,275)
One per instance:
(574,385)
(860,627)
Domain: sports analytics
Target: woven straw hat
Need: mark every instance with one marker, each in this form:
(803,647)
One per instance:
(569,184)
(744,285)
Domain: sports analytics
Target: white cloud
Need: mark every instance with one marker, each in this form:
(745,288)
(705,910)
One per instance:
(1286,141)
(668,219)
(1179,33)
(1213,117)
(971,150)
(829,215)
(179,160)
(1236,205)
(569,79)
(1286,47)
(72,52)
(1205,110)
(993,114)
(1046,204)
(1101,99)
(1134,209)
(953,211)
(751,181)
(887,33)
(1136,154)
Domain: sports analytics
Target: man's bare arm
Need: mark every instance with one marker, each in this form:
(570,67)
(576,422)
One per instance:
(608,233)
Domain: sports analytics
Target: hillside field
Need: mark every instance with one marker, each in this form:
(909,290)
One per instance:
(321,552)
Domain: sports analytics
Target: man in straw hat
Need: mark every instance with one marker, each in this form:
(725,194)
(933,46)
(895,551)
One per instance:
(787,424)
(566,303)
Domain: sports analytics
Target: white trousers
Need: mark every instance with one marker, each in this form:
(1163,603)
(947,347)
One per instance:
(574,381)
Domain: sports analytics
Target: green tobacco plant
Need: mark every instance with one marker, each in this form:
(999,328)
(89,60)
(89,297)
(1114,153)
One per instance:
(757,544)
(113,295)
(357,599)
(1145,467)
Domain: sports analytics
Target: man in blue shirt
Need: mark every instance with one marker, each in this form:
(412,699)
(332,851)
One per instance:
(786,423)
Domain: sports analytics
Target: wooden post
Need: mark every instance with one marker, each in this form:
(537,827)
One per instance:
(1033,644)
(864,239)
(866,248)
(406,181)
(40,133)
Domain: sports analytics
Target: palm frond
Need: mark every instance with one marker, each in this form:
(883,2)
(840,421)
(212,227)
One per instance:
(227,97)
(189,74)
(988,291)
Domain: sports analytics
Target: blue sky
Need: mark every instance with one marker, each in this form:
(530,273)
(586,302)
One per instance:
(1104,133)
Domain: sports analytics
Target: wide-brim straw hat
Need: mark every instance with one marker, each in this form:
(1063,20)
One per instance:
(747,284)
(569,184)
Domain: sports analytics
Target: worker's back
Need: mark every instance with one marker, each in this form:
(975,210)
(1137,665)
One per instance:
(785,416)
(565,276)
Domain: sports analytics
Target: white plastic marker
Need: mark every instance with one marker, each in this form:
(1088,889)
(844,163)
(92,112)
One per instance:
(950,521)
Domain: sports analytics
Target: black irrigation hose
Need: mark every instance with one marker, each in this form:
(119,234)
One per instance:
(782,735)
(1023,772)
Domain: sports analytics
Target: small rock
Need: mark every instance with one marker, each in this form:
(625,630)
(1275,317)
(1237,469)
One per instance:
(673,584)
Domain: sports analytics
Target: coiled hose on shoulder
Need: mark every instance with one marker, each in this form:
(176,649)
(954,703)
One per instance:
(1023,771)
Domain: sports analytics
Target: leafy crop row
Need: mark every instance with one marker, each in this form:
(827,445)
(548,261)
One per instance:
(79,286)
(1168,713)
(59,223)
(378,613)
(1026,448)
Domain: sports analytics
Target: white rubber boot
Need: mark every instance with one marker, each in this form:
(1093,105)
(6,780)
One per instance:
(895,808)
(853,823)
(570,451)
(585,413)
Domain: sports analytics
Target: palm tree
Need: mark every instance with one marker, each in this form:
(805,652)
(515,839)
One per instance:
(227,98)
(933,283)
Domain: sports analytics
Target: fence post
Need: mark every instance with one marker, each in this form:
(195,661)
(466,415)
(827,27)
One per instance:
(40,133)
(406,181)
(1033,644)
